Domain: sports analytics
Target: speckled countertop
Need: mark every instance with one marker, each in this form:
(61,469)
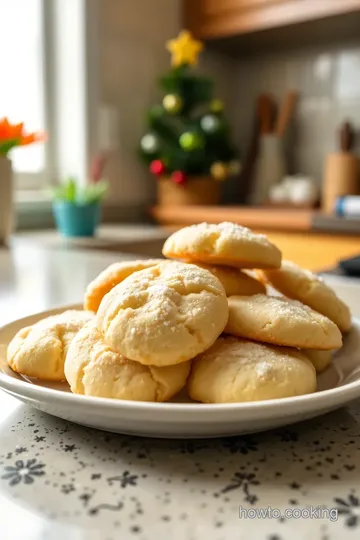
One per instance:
(59,480)
(119,237)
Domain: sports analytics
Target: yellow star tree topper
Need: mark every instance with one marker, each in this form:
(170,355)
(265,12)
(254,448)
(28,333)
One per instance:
(184,49)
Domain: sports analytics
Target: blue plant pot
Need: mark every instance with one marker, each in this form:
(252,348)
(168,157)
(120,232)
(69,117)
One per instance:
(76,219)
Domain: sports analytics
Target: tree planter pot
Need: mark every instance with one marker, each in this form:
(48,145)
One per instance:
(6,200)
(76,219)
(198,190)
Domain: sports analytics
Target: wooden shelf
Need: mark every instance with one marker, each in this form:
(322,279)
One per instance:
(255,218)
(211,19)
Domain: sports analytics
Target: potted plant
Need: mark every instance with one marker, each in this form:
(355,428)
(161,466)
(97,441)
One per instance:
(11,136)
(188,144)
(77,208)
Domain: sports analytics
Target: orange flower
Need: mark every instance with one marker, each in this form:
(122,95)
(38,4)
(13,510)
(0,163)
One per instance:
(17,134)
(30,138)
(17,130)
(4,129)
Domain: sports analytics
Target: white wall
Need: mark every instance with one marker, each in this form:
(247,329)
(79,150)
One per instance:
(132,55)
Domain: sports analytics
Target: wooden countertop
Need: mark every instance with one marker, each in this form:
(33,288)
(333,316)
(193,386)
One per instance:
(258,218)
(299,220)
(307,237)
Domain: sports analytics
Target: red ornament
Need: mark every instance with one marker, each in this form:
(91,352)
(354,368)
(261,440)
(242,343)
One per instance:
(157,167)
(178,177)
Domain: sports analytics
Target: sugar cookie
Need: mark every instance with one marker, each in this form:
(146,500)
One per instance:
(111,276)
(281,321)
(222,244)
(319,359)
(94,369)
(235,370)
(302,285)
(39,350)
(165,314)
(234,281)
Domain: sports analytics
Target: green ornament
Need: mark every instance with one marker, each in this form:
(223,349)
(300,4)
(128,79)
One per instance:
(190,141)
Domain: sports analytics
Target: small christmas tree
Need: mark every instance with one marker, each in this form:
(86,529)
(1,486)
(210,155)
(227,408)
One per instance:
(188,134)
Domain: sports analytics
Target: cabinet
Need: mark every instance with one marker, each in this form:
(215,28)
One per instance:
(209,19)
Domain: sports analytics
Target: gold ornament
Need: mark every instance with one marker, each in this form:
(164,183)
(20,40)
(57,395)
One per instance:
(234,167)
(172,103)
(216,106)
(184,49)
(218,170)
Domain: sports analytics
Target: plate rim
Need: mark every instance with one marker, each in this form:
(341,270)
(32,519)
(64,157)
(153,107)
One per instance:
(32,391)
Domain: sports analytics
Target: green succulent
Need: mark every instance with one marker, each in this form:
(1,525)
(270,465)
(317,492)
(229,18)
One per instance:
(70,191)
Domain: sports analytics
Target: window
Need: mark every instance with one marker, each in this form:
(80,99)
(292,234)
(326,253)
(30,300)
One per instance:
(48,81)
(22,89)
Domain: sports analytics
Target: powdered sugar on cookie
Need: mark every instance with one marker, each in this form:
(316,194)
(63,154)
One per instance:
(223,244)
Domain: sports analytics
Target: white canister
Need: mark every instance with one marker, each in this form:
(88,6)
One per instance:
(6,200)
(270,168)
(302,190)
(348,207)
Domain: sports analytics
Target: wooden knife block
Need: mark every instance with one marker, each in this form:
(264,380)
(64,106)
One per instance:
(342,174)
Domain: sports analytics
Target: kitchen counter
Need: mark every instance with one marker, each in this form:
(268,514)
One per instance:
(312,250)
(141,239)
(62,481)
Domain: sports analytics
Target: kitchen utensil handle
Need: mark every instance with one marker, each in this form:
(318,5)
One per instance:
(265,112)
(286,112)
(346,137)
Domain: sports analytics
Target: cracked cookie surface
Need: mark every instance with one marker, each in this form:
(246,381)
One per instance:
(94,369)
(281,321)
(164,315)
(39,350)
(112,276)
(236,370)
(222,244)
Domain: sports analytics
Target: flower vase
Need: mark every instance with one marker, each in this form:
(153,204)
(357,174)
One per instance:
(74,220)
(6,200)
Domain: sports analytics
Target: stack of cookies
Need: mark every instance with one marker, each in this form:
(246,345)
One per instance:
(200,319)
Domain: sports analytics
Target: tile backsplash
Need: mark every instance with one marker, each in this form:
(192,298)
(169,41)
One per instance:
(328,81)
(133,54)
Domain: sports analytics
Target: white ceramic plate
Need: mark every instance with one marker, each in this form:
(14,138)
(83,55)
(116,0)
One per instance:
(338,385)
